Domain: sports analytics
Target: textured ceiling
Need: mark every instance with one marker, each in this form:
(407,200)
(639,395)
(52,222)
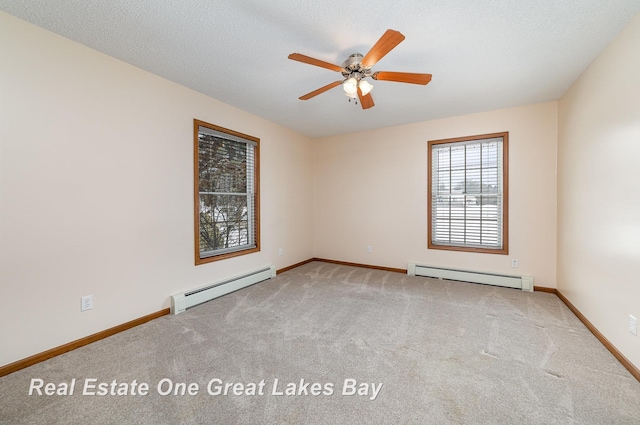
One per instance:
(484,55)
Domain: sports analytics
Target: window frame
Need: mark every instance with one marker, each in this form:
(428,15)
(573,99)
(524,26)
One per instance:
(504,250)
(196,196)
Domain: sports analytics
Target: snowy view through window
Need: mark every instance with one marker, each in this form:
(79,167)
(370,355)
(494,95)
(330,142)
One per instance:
(226,194)
(467,193)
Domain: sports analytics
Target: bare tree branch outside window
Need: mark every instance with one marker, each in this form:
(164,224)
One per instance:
(226,194)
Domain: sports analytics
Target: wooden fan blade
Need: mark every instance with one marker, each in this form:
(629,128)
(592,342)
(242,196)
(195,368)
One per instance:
(365,101)
(320,90)
(312,61)
(389,40)
(403,77)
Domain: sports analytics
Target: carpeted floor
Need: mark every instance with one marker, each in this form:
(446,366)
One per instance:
(332,344)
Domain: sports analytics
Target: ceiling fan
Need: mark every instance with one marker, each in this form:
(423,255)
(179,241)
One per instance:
(357,68)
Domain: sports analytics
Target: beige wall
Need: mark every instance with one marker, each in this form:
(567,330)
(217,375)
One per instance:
(370,188)
(96,190)
(599,192)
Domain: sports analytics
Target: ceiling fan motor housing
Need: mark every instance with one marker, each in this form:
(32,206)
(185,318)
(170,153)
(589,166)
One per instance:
(352,67)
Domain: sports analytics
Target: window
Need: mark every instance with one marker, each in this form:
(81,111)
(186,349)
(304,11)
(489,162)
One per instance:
(468,186)
(226,185)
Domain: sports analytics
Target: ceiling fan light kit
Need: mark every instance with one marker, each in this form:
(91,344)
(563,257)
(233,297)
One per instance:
(355,74)
(357,68)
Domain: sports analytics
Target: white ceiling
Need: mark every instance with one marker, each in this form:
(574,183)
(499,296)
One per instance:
(483,54)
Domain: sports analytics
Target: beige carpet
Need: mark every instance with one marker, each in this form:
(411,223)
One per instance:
(380,347)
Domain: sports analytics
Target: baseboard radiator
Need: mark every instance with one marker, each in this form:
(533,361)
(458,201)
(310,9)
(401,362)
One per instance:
(510,281)
(184,300)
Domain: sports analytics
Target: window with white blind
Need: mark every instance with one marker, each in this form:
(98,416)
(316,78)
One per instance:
(226,182)
(468,186)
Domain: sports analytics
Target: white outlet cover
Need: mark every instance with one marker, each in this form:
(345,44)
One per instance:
(633,325)
(86,303)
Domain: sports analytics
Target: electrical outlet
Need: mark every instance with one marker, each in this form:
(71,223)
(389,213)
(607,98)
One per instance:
(633,325)
(280,251)
(369,248)
(515,263)
(86,303)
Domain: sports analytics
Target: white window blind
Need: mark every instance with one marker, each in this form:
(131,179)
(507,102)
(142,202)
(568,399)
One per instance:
(227,192)
(467,193)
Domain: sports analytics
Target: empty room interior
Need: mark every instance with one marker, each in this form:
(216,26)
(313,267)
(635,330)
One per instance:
(320,212)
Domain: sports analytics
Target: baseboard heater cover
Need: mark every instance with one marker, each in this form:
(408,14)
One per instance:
(510,281)
(184,300)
